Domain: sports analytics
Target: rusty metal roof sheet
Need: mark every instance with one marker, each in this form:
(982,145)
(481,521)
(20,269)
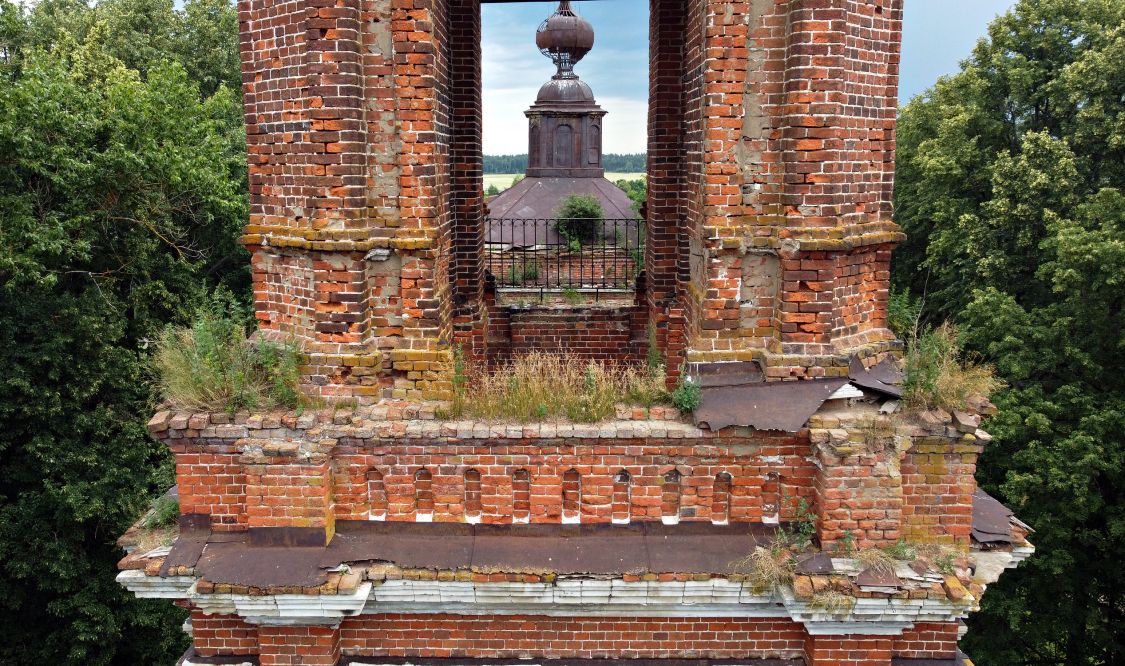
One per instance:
(784,406)
(814,563)
(884,377)
(992,521)
(959,660)
(187,548)
(535,198)
(219,660)
(727,374)
(565,549)
(468,661)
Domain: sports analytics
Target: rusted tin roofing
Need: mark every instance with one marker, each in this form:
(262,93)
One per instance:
(465,661)
(784,406)
(992,521)
(884,377)
(540,198)
(959,660)
(562,549)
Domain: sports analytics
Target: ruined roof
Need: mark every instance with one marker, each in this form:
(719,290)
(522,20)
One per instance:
(539,198)
(600,549)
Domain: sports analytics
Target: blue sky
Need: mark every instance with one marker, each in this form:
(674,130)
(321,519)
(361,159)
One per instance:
(937,34)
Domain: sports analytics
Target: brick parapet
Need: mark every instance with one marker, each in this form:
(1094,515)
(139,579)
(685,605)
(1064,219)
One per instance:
(877,478)
(397,635)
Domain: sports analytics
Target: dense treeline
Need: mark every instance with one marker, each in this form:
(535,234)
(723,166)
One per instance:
(1011,186)
(610,161)
(122,193)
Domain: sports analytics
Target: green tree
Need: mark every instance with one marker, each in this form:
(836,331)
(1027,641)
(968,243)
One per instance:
(579,219)
(121,198)
(1011,187)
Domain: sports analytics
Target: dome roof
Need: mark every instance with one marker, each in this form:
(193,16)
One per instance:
(565,91)
(565,37)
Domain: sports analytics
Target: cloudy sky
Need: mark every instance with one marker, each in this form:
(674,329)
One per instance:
(937,35)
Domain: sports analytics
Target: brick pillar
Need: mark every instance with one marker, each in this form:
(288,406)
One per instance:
(222,635)
(467,162)
(284,493)
(306,646)
(858,485)
(307,139)
(938,486)
(421,357)
(851,650)
(664,260)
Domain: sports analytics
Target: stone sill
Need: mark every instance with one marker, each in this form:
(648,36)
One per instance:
(414,419)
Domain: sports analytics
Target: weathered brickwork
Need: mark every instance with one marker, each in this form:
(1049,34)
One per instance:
(768,237)
(928,640)
(741,479)
(304,646)
(214,635)
(585,638)
(938,485)
(399,635)
(771,133)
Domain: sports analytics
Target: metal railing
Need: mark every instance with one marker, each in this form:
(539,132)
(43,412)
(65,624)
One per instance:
(564,253)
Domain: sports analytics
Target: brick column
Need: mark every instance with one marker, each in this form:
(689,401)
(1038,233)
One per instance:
(222,635)
(858,485)
(851,650)
(467,164)
(665,260)
(289,502)
(306,646)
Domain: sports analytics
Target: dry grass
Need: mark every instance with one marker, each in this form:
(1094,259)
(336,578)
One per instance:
(939,375)
(540,386)
(212,365)
(766,568)
(832,602)
(878,561)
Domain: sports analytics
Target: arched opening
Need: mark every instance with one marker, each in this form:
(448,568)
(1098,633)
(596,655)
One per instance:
(620,499)
(473,508)
(423,496)
(376,496)
(521,496)
(571,497)
(670,498)
(720,499)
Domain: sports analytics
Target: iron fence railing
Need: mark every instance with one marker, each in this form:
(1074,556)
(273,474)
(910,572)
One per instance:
(564,253)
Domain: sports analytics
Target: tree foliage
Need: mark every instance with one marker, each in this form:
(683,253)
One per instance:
(121,197)
(613,162)
(1011,187)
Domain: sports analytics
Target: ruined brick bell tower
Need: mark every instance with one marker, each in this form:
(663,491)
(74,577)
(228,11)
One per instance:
(373,532)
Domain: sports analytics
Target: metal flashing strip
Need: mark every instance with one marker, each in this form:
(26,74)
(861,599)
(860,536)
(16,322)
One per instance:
(468,661)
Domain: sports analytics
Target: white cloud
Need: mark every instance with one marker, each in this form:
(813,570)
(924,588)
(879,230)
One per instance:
(513,71)
(505,126)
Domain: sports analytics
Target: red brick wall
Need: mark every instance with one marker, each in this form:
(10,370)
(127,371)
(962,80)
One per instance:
(597,463)
(928,640)
(597,333)
(859,494)
(937,488)
(307,646)
(450,635)
(551,637)
(214,635)
(855,650)
(284,493)
(213,483)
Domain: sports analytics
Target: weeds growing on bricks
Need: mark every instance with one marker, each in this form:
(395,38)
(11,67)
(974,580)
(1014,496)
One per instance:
(213,365)
(541,386)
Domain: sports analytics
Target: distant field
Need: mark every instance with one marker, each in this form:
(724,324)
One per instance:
(503,181)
